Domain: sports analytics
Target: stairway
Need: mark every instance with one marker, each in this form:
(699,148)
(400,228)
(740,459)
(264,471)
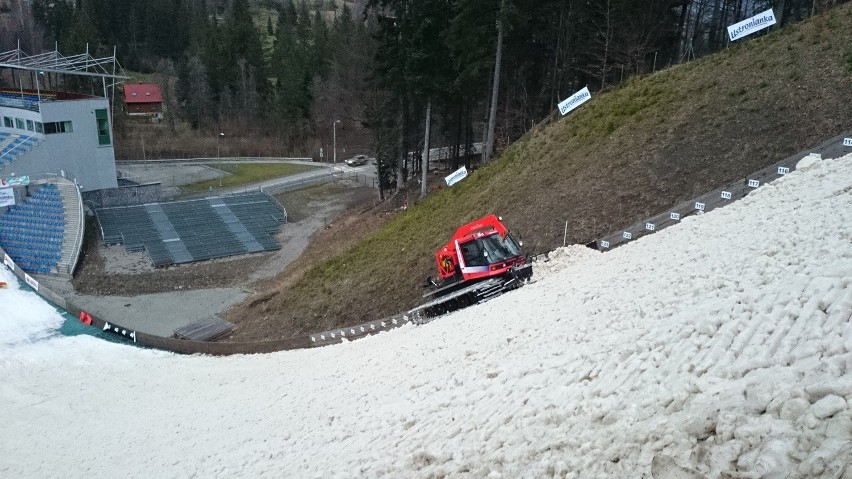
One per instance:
(74,224)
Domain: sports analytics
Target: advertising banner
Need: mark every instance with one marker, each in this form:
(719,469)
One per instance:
(456,176)
(847,142)
(31,281)
(574,100)
(8,262)
(7,197)
(15,181)
(750,25)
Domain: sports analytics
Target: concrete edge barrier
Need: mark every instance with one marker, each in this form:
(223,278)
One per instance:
(183,346)
(832,148)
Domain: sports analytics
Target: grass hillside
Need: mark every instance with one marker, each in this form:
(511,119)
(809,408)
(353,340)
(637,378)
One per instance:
(630,152)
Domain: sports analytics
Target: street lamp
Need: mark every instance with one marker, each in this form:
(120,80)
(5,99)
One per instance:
(334,138)
(218,154)
(220,135)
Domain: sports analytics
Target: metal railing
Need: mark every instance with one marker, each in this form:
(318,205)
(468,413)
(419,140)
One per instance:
(291,185)
(78,238)
(19,103)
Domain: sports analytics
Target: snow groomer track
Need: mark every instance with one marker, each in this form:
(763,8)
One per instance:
(832,148)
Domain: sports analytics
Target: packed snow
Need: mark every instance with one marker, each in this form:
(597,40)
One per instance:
(720,347)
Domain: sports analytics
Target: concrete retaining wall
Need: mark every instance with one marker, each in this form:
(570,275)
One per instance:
(123,196)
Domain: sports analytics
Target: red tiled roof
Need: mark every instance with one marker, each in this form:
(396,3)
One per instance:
(142,93)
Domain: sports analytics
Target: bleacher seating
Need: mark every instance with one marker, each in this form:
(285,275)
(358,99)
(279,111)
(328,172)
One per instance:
(195,230)
(18,96)
(18,145)
(32,232)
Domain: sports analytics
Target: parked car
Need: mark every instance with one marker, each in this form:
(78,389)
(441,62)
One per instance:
(358,160)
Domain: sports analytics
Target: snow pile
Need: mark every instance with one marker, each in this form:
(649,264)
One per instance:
(24,317)
(717,348)
(561,258)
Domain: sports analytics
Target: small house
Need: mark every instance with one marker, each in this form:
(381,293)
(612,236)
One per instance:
(143,99)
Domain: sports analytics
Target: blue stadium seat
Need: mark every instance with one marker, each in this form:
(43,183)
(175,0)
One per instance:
(32,232)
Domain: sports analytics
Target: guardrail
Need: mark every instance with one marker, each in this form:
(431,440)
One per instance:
(215,159)
(19,103)
(78,238)
(290,185)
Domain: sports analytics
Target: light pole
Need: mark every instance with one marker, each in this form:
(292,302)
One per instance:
(334,138)
(218,153)
(220,135)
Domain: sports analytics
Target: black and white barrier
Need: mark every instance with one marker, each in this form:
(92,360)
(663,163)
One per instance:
(350,333)
(833,148)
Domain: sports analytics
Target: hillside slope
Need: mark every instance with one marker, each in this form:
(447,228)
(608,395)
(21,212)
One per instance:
(626,154)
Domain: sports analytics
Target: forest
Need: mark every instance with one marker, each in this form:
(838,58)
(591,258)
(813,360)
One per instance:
(472,70)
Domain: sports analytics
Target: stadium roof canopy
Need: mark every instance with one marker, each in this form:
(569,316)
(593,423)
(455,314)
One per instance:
(54,62)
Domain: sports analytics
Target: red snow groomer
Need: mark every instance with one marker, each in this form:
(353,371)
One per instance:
(481,260)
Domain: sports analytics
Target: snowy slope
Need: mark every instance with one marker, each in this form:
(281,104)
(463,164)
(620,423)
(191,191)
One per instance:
(717,348)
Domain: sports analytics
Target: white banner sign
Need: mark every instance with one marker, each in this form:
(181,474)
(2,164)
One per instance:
(456,176)
(7,197)
(31,281)
(847,142)
(750,25)
(574,100)
(8,262)
(15,180)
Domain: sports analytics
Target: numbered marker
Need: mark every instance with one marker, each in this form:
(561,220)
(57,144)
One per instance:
(783,170)
(604,244)
(393,320)
(847,142)
(332,335)
(650,226)
(699,206)
(362,329)
(313,339)
(342,333)
(352,331)
(372,327)
(753,183)
(726,195)
(627,235)
(322,336)
(675,216)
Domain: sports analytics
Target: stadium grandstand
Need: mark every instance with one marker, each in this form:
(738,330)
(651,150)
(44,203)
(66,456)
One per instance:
(57,163)
(195,230)
(55,143)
